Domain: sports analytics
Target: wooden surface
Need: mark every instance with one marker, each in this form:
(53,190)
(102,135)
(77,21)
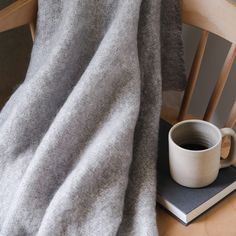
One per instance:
(33,29)
(220,220)
(212,16)
(232,117)
(216,16)
(21,12)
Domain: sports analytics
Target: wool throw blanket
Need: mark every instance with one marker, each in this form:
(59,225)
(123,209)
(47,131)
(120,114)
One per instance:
(78,138)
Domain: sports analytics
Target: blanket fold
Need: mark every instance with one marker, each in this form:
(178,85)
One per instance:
(78,138)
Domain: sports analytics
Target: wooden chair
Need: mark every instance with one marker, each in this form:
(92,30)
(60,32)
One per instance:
(21,12)
(217,17)
(212,16)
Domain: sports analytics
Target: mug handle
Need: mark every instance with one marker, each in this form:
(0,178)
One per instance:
(232,153)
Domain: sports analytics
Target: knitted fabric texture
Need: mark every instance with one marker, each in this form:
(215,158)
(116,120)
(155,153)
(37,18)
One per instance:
(78,138)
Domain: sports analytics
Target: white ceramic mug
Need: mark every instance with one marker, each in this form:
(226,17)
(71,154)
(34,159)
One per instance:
(195,152)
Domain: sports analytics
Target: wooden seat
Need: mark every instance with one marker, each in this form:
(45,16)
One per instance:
(212,16)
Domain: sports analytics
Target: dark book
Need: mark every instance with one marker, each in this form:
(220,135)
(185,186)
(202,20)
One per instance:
(188,203)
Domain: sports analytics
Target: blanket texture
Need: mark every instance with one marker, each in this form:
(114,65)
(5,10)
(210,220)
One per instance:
(78,139)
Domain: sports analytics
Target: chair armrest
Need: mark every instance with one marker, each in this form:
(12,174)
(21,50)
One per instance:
(19,13)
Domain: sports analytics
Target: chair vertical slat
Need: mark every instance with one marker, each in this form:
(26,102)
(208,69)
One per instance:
(33,29)
(193,76)
(220,83)
(232,117)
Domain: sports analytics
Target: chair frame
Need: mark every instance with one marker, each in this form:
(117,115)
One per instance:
(197,14)
(19,13)
(206,15)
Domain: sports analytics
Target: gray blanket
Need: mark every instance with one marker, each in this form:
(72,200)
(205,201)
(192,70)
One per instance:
(78,139)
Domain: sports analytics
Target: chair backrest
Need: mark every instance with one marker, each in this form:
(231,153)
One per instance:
(217,17)
(21,12)
(212,16)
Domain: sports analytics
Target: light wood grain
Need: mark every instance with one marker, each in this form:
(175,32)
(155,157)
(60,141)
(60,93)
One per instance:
(232,117)
(21,12)
(33,29)
(193,76)
(216,16)
(218,221)
(220,83)
(170,114)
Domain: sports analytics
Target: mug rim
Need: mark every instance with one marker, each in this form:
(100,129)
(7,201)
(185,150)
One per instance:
(195,121)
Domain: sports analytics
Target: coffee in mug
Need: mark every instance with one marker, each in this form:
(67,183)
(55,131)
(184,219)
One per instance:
(194,152)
